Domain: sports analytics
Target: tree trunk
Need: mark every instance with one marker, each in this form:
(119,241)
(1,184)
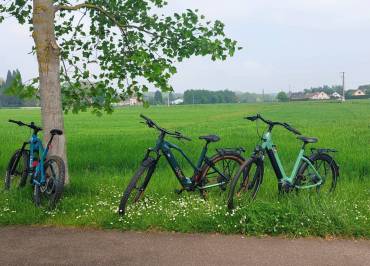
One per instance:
(47,51)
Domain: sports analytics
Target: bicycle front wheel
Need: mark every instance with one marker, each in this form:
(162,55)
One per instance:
(246,183)
(17,177)
(135,189)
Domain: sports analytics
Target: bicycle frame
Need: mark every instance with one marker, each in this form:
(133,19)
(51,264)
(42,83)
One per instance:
(283,178)
(36,146)
(166,148)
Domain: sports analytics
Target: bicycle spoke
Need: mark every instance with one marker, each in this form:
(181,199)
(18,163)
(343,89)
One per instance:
(52,170)
(210,173)
(232,170)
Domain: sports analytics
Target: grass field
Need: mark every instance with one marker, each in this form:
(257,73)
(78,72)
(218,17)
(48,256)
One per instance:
(105,151)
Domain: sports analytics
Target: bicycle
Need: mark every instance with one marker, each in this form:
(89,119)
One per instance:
(207,173)
(47,173)
(318,171)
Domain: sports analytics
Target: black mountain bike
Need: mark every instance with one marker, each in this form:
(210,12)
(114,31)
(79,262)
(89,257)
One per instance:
(216,171)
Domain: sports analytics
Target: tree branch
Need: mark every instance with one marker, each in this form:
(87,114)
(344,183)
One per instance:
(109,15)
(95,7)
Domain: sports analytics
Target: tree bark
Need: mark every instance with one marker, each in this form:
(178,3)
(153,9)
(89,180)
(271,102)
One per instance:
(48,53)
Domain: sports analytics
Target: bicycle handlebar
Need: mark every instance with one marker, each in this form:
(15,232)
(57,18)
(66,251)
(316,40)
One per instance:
(150,123)
(272,124)
(21,124)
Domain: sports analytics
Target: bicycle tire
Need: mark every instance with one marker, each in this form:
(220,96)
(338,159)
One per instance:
(243,175)
(54,190)
(228,170)
(147,166)
(303,171)
(21,175)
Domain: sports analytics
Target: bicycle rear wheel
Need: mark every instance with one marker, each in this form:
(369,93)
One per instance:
(135,189)
(51,192)
(325,166)
(246,183)
(220,169)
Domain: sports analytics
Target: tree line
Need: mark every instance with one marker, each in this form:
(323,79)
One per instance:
(209,97)
(329,90)
(7,99)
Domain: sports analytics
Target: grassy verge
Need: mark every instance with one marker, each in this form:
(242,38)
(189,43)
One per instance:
(104,152)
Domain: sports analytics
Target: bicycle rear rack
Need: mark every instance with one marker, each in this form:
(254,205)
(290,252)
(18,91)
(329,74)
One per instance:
(225,151)
(323,150)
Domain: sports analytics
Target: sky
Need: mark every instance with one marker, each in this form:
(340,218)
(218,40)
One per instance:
(287,45)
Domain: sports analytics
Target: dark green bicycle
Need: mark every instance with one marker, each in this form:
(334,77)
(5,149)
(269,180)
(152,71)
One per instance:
(318,171)
(208,173)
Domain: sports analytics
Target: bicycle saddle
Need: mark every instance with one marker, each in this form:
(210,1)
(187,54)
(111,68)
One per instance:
(56,132)
(210,138)
(307,139)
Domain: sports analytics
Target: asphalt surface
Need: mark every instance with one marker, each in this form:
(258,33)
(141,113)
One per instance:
(63,246)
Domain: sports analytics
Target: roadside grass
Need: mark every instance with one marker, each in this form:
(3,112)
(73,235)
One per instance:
(105,151)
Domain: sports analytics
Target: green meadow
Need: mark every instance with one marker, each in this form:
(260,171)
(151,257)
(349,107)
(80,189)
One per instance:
(104,152)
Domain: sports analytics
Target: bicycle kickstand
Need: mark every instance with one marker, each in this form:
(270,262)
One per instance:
(179,191)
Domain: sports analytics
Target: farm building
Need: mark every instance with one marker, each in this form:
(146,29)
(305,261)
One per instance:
(358,93)
(318,96)
(297,96)
(336,95)
(130,102)
(177,101)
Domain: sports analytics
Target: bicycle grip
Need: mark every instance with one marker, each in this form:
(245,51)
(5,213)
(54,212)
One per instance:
(251,118)
(144,117)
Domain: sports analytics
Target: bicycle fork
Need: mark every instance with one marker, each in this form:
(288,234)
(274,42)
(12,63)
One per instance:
(15,163)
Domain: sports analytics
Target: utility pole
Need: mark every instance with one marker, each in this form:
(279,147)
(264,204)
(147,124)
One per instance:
(343,86)
(263,95)
(168,99)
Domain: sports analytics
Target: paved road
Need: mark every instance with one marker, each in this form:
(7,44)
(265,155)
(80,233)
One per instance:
(55,246)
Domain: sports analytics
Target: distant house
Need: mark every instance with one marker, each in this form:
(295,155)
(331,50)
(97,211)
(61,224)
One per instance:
(336,95)
(297,96)
(358,93)
(318,96)
(130,102)
(365,89)
(177,101)
(134,101)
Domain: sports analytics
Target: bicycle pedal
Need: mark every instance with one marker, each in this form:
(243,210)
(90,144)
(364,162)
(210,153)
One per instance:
(179,191)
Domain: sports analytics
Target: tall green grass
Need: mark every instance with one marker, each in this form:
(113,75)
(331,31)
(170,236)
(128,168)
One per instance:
(105,151)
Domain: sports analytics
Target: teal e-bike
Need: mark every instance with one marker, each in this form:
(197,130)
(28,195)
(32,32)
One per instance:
(318,171)
(46,173)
